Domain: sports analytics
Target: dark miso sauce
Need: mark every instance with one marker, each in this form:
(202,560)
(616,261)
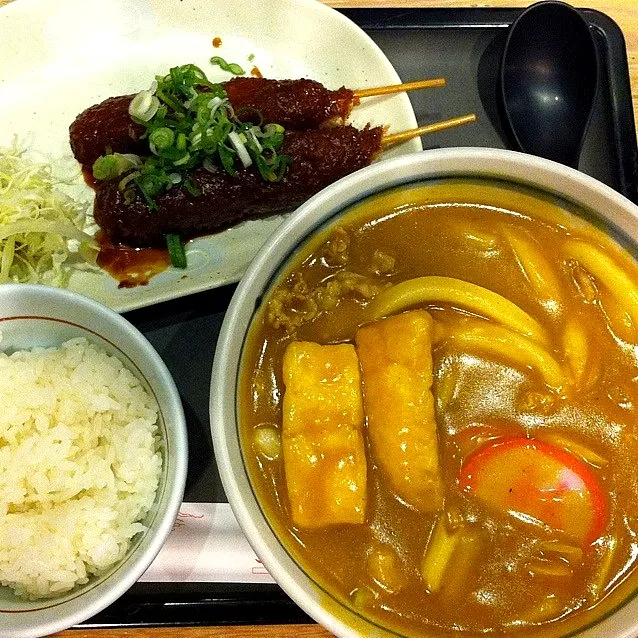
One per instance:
(131,266)
(87,174)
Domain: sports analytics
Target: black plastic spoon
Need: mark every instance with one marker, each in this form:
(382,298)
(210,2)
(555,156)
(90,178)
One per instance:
(549,76)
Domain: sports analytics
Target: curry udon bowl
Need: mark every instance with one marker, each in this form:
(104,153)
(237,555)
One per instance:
(423,401)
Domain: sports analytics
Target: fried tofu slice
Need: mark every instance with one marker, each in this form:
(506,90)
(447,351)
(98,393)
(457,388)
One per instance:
(395,355)
(322,435)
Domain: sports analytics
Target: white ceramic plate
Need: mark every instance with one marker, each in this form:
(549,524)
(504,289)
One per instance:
(60,57)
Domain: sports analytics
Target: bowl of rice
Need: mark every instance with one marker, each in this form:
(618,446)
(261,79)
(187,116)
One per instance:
(93,458)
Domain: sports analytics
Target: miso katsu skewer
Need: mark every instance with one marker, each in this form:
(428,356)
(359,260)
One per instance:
(318,157)
(294,104)
(205,169)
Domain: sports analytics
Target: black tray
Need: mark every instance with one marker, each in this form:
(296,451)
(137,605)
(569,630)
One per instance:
(462,45)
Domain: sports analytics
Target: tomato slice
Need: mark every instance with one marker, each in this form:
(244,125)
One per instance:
(530,478)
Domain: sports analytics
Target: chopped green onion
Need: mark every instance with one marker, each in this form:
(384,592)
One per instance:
(143,106)
(227,157)
(271,130)
(113,165)
(254,139)
(182,160)
(214,104)
(190,123)
(238,144)
(231,67)
(176,250)
(181,141)
(192,188)
(128,178)
(162,138)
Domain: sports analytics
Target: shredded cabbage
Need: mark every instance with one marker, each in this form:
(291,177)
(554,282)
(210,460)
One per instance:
(41,228)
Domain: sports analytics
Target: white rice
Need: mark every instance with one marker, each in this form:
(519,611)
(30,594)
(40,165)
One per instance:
(80,463)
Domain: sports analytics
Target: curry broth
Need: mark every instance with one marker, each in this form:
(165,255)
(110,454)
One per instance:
(509,574)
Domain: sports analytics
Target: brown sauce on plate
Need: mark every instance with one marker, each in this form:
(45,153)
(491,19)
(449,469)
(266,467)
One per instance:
(130,266)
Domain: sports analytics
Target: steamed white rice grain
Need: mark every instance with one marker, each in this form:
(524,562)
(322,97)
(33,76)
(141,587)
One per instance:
(80,463)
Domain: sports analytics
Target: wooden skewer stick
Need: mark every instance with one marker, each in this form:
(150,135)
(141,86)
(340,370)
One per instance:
(399,88)
(403,136)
